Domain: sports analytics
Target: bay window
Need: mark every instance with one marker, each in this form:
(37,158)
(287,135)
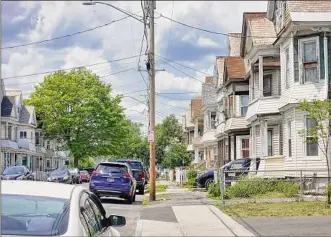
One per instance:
(244,100)
(267,85)
(311,143)
(309,62)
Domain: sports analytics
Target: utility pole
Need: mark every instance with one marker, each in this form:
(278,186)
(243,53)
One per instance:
(151,71)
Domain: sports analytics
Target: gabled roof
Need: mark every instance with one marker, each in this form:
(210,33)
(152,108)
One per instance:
(26,114)
(7,105)
(235,68)
(262,30)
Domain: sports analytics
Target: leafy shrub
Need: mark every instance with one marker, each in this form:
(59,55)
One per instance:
(191,174)
(214,190)
(191,182)
(257,186)
(328,189)
(289,189)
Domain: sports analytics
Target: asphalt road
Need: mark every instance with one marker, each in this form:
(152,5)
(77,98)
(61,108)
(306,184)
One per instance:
(114,206)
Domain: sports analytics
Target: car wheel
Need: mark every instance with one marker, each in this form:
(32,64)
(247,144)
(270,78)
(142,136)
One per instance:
(208,182)
(129,200)
(142,190)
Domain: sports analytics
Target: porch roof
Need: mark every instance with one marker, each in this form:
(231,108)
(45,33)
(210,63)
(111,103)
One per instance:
(235,124)
(262,106)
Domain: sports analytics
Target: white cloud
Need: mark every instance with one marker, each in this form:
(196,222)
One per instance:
(121,39)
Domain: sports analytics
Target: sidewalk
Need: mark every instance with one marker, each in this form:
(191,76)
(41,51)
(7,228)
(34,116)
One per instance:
(186,214)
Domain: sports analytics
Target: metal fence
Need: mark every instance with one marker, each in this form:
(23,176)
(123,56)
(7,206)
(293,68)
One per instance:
(295,184)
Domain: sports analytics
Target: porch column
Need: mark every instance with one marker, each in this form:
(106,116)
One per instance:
(264,143)
(196,128)
(261,76)
(196,155)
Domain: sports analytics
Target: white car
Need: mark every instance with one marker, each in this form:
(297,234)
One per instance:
(53,209)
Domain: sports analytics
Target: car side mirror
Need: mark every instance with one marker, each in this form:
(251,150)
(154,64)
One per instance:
(118,221)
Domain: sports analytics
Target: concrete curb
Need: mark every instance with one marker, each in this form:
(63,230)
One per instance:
(139,228)
(232,225)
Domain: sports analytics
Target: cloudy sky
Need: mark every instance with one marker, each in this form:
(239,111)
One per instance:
(31,21)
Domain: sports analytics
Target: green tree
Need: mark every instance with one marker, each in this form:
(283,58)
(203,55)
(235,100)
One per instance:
(78,110)
(320,112)
(84,162)
(176,155)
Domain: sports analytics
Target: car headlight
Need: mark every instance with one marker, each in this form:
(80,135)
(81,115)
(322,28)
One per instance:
(66,177)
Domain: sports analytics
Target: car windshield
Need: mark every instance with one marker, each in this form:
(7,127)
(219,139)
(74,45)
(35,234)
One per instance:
(33,215)
(13,170)
(58,172)
(133,164)
(111,168)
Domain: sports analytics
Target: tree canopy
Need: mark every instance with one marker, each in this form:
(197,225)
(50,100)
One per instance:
(78,109)
(176,155)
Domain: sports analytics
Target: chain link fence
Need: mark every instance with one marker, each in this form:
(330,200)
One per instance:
(271,184)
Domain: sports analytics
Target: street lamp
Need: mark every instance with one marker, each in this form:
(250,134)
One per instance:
(92,3)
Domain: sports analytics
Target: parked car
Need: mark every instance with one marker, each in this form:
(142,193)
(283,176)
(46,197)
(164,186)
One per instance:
(232,169)
(138,173)
(89,170)
(114,179)
(53,209)
(17,173)
(75,175)
(61,175)
(84,176)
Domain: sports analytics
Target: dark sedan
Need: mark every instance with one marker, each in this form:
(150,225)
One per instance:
(60,176)
(17,173)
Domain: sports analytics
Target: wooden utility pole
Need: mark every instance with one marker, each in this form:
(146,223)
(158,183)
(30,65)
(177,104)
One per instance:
(151,71)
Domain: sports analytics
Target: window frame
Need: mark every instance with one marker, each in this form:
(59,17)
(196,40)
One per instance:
(306,118)
(303,64)
(242,150)
(267,76)
(23,135)
(241,105)
(287,67)
(270,152)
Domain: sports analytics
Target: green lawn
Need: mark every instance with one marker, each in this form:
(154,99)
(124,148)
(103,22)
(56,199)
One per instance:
(159,188)
(283,209)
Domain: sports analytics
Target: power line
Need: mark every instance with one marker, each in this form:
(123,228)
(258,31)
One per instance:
(65,69)
(180,64)
(65,36)
(173,106)
(215,32)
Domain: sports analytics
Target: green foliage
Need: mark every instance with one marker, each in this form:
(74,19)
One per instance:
(257,186)
(77,108)
(191,182)
(328,189)
(177,155)
(84,162)
(214,190)
(192,174)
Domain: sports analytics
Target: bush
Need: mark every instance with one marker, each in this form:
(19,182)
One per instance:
(191,174)
(214,190)
(191,182)
(258,186)
(328,189)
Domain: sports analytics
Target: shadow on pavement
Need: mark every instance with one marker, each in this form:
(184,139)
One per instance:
(118,201)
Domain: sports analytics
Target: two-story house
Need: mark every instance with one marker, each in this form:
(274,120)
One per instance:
(263,74)
(303,37)
(209,109)
(197,119)
(188,132)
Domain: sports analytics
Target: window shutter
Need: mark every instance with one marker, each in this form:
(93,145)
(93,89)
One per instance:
(321,56)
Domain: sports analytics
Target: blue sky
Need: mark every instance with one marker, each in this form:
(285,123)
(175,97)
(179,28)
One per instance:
(30,21)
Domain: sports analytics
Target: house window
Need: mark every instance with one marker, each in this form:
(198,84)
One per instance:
(48,144)
(37,138)
(309,50)
(267,85)
(289,140)
(48,163)
(244,100)
(269,142)
(23,134)
(311,145)
(10,132)
(213,119)
(287,68)
(245,147)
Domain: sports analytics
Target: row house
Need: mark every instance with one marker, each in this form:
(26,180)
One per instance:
(21,140)
(188,132)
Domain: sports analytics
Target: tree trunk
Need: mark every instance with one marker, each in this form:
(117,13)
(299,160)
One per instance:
(75,162)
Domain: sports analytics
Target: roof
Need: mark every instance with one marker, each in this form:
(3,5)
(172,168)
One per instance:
(209,80)
(270,62)
(234,42)
(25,114)
(262,31)
(309,6)
(7,105)
(37,188)
(196,105)
(235,67)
